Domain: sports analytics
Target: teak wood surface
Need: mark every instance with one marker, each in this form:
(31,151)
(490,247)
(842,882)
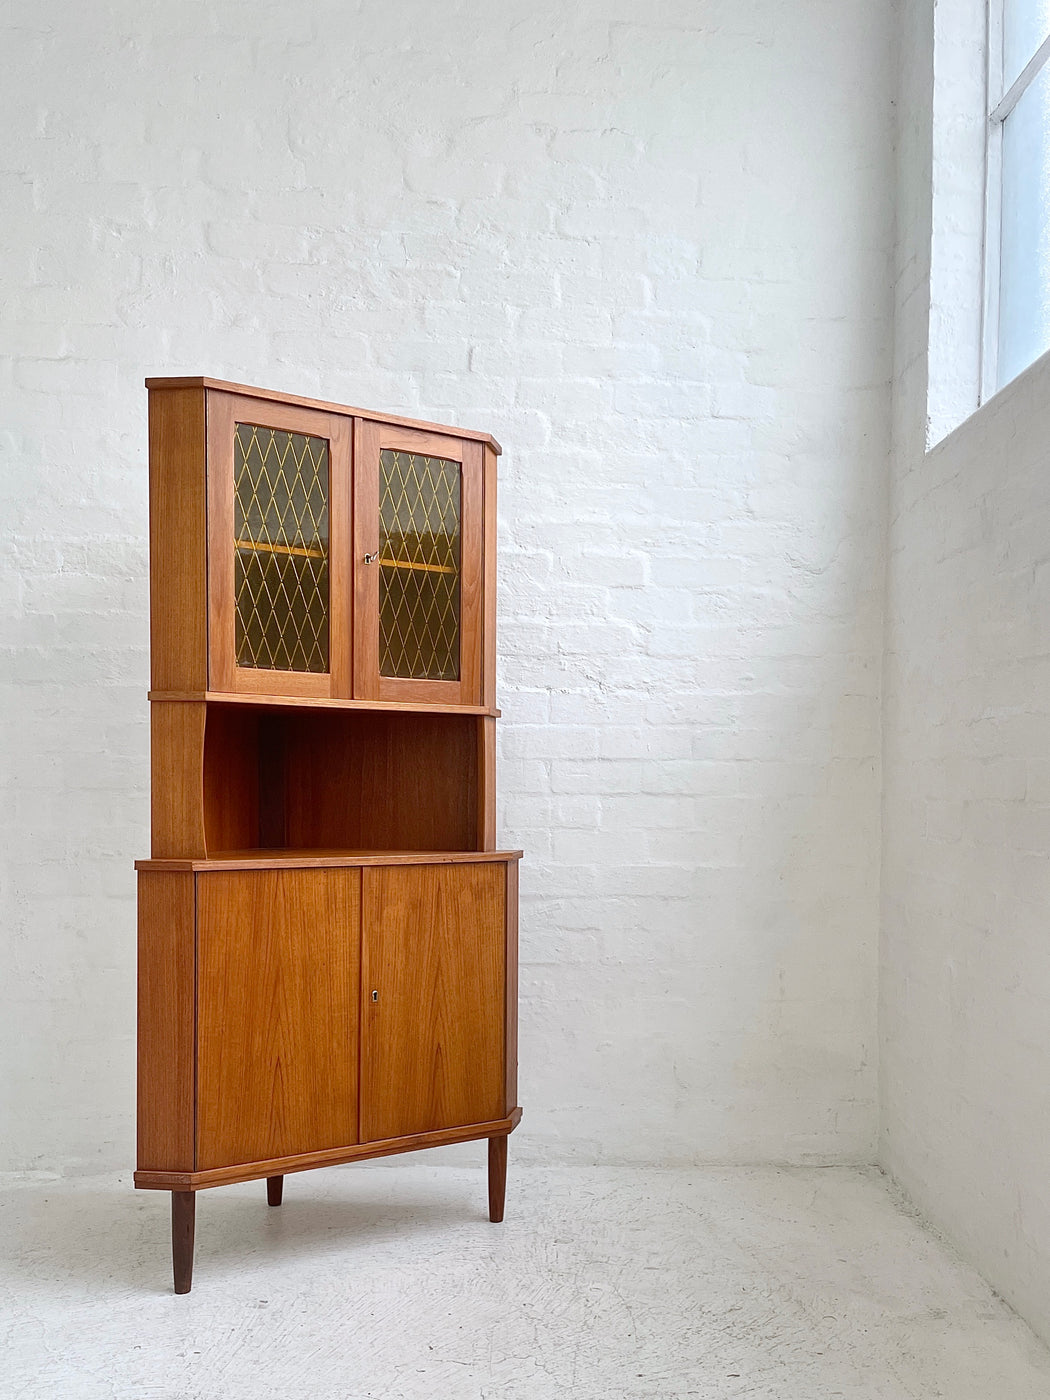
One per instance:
(488,679)
(317,1161)
(277,1013)
(167,959)
(238,777)
(320,860)
(178,540)
(177,734)
(313,702)
(432,998)
(413,780)
(398,420)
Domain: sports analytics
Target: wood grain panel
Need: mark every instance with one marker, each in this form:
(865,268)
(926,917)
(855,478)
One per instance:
(177,540)
(313,1161)
(372,781)
(472,579)
(165,1022)
(488,643)
(432,1042)
(177,781)
(366,576)
(203,381)
(510,1055)
(486,837)
(325,860)
(277,996)
(231,779)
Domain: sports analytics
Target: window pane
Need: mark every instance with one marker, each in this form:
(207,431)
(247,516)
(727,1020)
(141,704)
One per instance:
(1024,285)
(1026,23)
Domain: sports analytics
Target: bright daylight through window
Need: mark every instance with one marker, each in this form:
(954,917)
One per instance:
(1018,241)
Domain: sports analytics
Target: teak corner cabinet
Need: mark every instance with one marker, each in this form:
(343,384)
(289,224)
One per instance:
(327,938)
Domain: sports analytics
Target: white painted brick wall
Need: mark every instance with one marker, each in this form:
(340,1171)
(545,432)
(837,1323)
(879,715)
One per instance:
(645,242)
(965,961)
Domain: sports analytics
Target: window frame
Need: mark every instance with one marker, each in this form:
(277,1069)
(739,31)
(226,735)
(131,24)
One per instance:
(998,106)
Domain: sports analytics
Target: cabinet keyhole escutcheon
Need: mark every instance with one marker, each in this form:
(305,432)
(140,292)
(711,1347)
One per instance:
(375,995)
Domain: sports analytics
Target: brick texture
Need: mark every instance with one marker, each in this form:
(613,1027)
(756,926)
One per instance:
(648,244)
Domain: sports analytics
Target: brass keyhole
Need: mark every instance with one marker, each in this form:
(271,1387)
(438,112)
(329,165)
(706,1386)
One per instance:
(375,996)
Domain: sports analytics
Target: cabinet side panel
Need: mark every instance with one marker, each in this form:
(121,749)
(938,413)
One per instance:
(221,604)
(178,541)
(510,1060)
(472,578)
(488,674)
(177,780)
(277,1013)
(232,757)
(486,784)
(166,971)
(432,998)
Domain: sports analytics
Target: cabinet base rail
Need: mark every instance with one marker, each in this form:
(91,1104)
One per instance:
(148,1180)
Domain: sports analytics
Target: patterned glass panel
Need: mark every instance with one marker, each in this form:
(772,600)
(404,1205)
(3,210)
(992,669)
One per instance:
(419,564)
(281,549)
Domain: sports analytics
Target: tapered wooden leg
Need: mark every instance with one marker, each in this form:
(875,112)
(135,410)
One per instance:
(183,1213)
(497,1177)
(274,1190)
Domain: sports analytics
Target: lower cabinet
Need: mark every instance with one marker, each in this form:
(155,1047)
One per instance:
(342,1006)
(295,1016)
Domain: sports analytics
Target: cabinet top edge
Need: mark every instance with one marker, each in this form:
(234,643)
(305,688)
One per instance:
(226,386)
(316,860)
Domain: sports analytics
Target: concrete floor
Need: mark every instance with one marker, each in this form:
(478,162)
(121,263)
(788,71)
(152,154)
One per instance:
(388,1282)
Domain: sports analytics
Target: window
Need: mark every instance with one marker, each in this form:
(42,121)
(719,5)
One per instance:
(1017,242)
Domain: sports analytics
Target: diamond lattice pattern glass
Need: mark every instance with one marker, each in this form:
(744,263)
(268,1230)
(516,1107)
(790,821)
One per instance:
(281,549)
(419,566)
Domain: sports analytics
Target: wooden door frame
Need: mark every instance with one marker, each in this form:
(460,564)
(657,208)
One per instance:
(370,439)
(224,411)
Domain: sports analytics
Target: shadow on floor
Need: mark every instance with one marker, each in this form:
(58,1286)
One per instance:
(115,1239)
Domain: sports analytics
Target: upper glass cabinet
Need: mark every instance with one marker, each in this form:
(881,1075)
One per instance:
(307,551)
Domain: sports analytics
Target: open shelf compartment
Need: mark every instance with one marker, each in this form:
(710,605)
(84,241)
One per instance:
(329,780)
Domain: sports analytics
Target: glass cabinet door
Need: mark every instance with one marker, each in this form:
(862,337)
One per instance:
(278,497)
(418,568)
